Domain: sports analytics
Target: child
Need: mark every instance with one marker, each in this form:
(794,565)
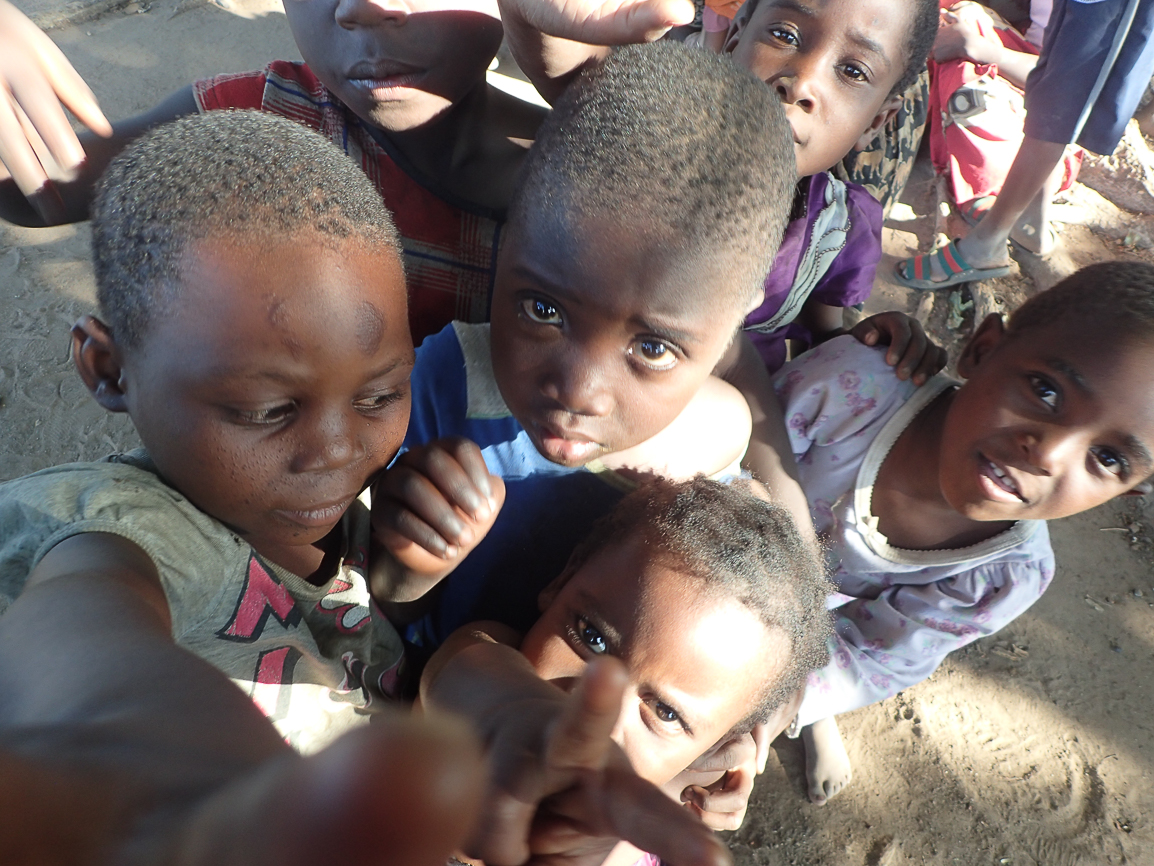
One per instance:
(935,499)
(1096,60)
(693,586)
(621,284)
(256,333)
(401,88)
(838,91)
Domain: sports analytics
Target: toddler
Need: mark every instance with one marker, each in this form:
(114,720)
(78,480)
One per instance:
(620,286)
(254,328)
(400,87)
(935,499)
(709,597)
(839,68)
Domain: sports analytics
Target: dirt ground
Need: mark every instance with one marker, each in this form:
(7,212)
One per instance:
(1036,746)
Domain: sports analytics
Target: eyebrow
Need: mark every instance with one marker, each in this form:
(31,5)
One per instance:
(223,373)
(1137,449)
(854,36)
(587,608)
(1070,372)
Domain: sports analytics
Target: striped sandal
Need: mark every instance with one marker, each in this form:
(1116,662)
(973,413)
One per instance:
(914,273)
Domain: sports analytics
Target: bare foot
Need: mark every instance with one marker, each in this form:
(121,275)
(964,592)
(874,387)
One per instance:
(827,767)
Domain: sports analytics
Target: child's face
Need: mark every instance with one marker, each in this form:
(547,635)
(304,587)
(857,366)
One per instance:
(833,63)
(697,661)
(1052,421)
(278,384)
(598,342)
(398,64)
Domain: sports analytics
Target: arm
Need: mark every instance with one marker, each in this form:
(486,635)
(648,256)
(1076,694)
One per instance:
(544,744)
(891,642)
(963,39)
(165,760)
(769,458)
(554,41)
(709,436)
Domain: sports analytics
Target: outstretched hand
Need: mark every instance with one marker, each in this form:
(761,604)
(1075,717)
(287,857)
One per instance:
(602,22)
(430,509)
(914,355)
(37,143)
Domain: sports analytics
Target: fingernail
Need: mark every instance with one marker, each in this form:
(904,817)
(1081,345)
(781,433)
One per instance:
(451,550)
(465,536)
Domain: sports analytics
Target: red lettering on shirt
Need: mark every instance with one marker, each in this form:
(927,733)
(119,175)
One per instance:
(261,595)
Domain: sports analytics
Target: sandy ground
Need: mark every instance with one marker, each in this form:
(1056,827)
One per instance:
(1034,747)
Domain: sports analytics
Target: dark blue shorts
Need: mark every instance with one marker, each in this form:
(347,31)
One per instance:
(1074,50)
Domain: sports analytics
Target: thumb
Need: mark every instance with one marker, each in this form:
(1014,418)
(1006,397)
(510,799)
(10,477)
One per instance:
(581,736)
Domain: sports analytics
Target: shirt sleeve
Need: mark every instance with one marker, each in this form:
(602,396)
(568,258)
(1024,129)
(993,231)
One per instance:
(891,642)
(838,390)
(850,277)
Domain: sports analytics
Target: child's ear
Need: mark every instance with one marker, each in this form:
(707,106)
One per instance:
(989,334)
(733,35)
(98,361)
(885,113)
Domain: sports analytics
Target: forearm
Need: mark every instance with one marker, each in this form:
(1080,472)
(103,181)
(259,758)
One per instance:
(769,457)
(477,674)
(1014,66)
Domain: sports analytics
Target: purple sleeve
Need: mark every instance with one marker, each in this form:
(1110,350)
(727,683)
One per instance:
(851,276)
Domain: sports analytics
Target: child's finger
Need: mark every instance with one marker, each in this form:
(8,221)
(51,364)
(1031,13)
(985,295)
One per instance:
(625,806)
(580,738)
(398,528)
(417,494)
(468,455)
(452,466)
(933,360)
(914,351)
(16,152)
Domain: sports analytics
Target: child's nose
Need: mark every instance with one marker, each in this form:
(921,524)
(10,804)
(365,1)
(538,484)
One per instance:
(1045,447)
(365,13)
(331,442)
(579,388)
(795,86)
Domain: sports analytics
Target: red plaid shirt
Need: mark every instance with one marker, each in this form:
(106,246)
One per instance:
(450,245)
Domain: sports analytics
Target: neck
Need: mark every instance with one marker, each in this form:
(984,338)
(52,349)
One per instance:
(907,499)
(439,148)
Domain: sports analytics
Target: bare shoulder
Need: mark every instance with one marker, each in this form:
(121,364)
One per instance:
(710,435)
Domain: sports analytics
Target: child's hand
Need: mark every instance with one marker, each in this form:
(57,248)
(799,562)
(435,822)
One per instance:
(430,509)
(716,787)
(601,22)
(962,38)
(910,351)
(36,139)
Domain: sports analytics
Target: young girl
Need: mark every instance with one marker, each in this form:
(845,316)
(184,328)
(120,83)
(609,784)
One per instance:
(693,586)
(934,499)
(839,67)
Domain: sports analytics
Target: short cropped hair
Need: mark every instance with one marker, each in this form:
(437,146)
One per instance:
(923,31)
(677,141)
(218,173)
(740,546)
(1121,293)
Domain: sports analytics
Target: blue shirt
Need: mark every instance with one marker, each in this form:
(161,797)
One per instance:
(548,508)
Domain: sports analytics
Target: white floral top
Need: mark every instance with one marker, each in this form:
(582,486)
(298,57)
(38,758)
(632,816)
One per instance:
(898,612)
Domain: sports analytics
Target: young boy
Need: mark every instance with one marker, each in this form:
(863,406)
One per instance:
(399,87)
(255,331)
(693,586)
(839,67)
(620,286)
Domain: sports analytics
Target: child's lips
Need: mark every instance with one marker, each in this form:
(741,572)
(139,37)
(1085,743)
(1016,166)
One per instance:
(569,449)
(318,515)
(383,80)
(997,481)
